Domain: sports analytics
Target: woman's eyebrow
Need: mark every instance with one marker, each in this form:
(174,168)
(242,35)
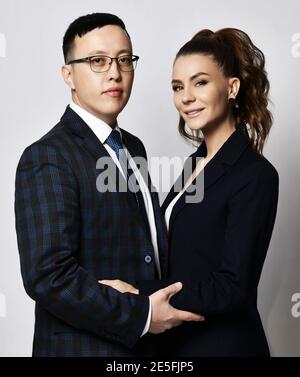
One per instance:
(198,74)
(176,81)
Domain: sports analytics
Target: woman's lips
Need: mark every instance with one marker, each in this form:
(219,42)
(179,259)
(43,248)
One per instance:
(193,113)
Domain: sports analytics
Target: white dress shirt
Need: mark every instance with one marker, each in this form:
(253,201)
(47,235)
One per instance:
(170,208)
(102,131)
(168,213)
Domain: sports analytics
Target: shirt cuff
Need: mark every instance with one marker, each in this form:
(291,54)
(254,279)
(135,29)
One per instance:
(146,329)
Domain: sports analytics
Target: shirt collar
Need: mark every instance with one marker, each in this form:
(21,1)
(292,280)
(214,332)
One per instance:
(101,129)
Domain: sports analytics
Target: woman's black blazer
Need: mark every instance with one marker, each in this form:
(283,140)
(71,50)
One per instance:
(217,249)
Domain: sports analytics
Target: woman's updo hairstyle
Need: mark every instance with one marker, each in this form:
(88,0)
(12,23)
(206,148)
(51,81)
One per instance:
(237,56)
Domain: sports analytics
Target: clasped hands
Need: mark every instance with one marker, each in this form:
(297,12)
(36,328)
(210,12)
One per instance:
(163,316)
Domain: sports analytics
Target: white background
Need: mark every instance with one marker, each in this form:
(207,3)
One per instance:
(33,98)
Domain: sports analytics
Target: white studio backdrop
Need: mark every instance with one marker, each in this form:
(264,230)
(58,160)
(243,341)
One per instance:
(33,96)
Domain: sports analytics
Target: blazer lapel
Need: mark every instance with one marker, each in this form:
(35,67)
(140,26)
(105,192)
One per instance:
(217,167)
(161,230)
(79,128)
(91,144)
(183,177)
(210,175)
(137,154)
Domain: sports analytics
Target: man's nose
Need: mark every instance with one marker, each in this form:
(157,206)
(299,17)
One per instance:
(114,71)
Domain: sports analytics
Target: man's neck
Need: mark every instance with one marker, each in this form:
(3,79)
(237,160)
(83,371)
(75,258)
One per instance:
(110,120)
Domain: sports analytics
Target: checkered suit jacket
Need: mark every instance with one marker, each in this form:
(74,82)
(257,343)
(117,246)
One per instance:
(70,235)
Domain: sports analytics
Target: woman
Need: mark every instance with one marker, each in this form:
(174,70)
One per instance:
(217,245)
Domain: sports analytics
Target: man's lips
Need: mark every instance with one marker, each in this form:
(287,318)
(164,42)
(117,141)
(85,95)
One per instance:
(114,92)
(193,113)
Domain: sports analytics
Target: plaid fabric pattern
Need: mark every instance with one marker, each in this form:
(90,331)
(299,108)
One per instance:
(70,235)
(115,142)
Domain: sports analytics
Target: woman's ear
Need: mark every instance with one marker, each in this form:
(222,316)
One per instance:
(66,71)
(233,87)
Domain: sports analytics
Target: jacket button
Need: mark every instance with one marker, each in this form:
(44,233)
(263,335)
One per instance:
(148,259)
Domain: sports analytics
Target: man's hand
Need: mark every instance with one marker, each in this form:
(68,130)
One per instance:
(164,316)
(120,286)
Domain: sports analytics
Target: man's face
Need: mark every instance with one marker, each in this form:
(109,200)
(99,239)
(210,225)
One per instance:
(90,89)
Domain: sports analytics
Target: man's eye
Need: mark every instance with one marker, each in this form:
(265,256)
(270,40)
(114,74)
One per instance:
(98,60)
(125,60)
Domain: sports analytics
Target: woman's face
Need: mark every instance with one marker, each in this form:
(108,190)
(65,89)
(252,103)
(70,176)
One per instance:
(201,91)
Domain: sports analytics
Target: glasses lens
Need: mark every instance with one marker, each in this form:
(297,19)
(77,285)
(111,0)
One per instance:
(99,63)
(127,63)
(102,63)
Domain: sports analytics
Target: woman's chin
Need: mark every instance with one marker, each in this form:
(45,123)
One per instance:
(196,126)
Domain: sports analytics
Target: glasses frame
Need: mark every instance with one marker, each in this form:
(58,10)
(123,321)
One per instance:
(88,59)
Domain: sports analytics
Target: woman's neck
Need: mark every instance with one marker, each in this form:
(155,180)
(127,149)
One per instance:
(215,137)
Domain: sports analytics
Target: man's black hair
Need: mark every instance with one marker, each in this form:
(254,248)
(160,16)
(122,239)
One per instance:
(84,24)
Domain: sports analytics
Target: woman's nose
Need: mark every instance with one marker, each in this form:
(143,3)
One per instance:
(187,96)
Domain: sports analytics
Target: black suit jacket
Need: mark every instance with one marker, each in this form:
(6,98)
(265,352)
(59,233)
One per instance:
(70,235)
(217,248)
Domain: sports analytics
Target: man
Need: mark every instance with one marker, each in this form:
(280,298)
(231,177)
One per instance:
(70,233)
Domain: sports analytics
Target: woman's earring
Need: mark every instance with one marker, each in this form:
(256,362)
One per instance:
(234,102)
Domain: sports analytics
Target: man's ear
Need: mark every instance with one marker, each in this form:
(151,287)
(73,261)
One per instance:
(233,87)
(66,71)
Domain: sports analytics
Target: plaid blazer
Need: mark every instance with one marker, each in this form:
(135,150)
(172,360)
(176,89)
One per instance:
(70,235)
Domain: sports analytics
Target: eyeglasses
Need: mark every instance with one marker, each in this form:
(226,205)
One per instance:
(102,63)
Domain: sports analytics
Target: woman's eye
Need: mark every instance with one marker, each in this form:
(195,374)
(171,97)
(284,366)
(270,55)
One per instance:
(176,88)
(200,83)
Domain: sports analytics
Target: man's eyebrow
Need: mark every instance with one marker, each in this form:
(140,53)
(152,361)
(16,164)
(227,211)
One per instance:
(101,52)
(175,81)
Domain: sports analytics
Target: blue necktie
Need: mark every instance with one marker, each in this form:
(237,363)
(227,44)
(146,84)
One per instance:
(115,142)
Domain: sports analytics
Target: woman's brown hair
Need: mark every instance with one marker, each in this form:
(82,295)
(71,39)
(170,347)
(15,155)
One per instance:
(237,56)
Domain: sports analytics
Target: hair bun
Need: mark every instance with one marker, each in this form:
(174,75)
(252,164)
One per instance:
(205,33)
(237,56)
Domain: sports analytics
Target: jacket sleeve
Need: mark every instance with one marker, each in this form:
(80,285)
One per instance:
(251,216)
(148,287)
(48,232)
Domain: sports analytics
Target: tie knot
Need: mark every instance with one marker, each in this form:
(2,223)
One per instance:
(115,142)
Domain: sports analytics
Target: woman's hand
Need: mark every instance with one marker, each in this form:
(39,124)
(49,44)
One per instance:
(120,286)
